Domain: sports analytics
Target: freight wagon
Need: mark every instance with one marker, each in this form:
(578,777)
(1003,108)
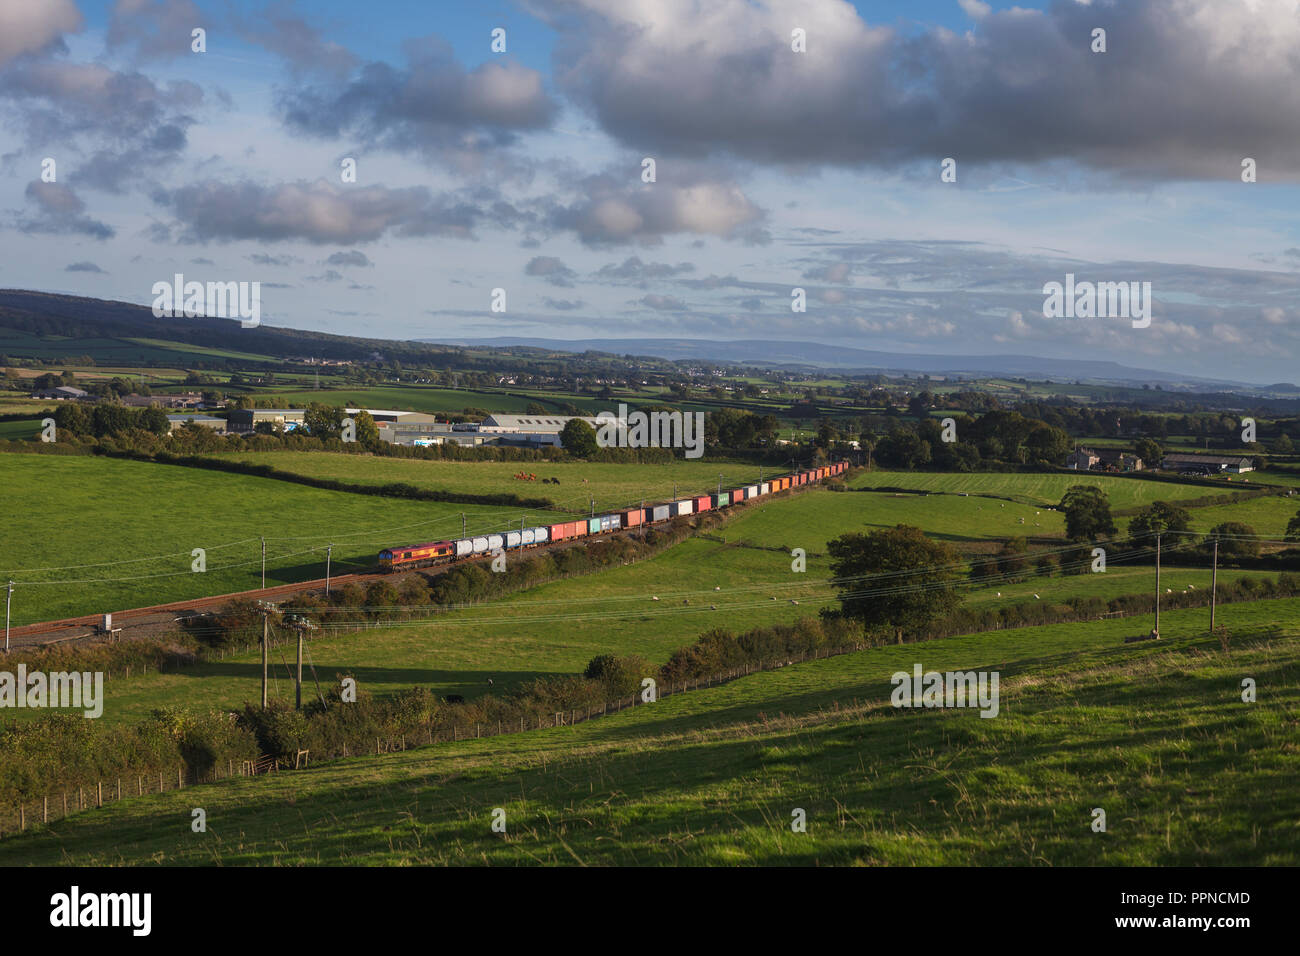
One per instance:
(419,555)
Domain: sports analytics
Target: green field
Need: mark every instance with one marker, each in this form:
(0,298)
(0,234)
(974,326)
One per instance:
(1267,515)
(20,430)
(86,535)
(1037,489)
(415,398)
(738,576)
(949,517)
(612,486)
(1155,734)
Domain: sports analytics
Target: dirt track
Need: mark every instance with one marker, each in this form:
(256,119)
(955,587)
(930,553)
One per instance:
(145,621)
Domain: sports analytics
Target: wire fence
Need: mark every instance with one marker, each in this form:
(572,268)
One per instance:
(62,804)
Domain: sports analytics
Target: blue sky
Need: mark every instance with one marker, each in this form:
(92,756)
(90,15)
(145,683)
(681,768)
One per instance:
(774,169)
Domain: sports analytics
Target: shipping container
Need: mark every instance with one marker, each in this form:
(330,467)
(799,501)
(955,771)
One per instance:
(463,547)
(609,523)
(632,518)
(658,513)
(480,545)
(679,508)
(765,488)
(528,536)
(703,503)
(495,542)
(559,532)
(722,499)
(514,539)
(540,535)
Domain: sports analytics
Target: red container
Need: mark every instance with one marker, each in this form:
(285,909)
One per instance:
(703,503)
(631,518)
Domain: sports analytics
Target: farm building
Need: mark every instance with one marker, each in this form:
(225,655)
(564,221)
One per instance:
(1208,464)
(175,422)
(530,430)
(180,400)
(62,392)
(1106,459)
(245,420)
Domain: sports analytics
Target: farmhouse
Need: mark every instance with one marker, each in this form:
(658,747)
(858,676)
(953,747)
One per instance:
(1107,459)
(1207,464)
(1081,459)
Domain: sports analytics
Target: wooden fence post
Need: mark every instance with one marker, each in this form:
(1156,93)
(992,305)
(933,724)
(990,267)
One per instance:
(45,809)
(119,788)
(99,791)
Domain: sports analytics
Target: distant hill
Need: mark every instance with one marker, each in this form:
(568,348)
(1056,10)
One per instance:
(847,359)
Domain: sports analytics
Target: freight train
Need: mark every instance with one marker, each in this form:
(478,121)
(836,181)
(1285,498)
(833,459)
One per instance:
(440,552)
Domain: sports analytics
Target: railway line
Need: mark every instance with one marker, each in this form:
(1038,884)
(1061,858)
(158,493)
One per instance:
(143,622)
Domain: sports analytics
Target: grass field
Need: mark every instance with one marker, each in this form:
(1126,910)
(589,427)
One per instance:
(1268,515)
(948,517)
(1038,489)
(1155,734)
(87,534)
(20,430)
(556,628)
(416,398)
(611,485)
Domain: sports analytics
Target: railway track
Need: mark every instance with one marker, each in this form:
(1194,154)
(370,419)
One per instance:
(144,620)
(88,626)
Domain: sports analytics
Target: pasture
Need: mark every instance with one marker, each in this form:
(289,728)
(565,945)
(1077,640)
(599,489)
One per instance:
(87,535)
(1036,489)
(736,576)
(1156,734)
(612,486)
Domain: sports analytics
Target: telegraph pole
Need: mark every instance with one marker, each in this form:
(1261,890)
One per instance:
(298,681)
(266,623)
(464,528)
(9,597)
(1157,585)
(1214,582)
(264,564)
(329,554)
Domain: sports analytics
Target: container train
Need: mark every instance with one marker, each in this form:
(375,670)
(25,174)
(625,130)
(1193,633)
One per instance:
(439,552)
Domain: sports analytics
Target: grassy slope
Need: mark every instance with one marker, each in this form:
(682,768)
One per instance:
(558,627)
(611,485)
(1156,734)
(123,515)
(1038,489)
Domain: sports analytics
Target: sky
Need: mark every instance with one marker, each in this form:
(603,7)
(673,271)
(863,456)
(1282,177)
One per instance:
(775,168)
